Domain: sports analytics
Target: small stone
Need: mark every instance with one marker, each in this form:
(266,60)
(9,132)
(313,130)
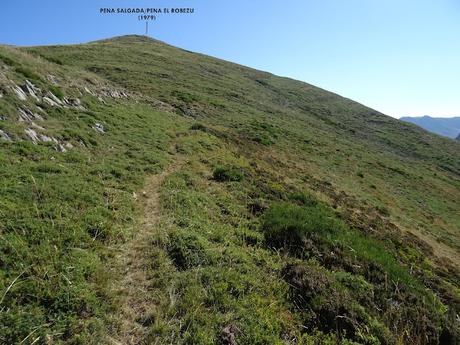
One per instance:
(52,79)
(114,94)
(74,102)
(89,91)
(228,335)
(99,127)
(59,147)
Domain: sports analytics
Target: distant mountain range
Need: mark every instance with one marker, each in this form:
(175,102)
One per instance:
(448,127)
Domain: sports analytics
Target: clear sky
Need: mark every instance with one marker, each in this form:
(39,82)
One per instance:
(401,57)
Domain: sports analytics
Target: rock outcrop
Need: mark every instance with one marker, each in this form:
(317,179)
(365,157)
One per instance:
(25,115)
(5,136)
(98,127)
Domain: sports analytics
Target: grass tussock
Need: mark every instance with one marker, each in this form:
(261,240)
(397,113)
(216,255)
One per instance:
(224,174)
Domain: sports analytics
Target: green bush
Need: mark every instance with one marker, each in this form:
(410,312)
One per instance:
(49,168)
(57,92)
(262,133)
(303,199)
(185,97)
(53,60)
(29,74)
(358,286)
(343,300)
(8,60)
(262,139)
(332,305)
(186,250)
(223,174)
(198,127)
(286,224)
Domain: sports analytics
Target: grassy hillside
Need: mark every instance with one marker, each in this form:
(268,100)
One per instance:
(298,217)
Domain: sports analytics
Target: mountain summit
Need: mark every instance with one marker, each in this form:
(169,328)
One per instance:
(151,195)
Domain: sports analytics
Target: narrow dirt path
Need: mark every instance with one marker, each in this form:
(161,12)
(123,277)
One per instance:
(133,261)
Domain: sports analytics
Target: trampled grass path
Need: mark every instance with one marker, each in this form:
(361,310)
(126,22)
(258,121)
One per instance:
(133,262)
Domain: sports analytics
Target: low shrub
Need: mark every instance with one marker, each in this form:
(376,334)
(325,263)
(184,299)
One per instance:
(383,210)
(262,139)
(186,250)
(262,133)
(198,127)
(185,97)
(223,174)
(29,74)
(53,60)
(303,199)
(49,168)
(8,60)
(257,207)
(344,300)
(286,224)
(329,306)
(56,91)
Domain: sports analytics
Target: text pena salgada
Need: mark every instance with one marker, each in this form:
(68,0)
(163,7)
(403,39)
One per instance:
(166,10)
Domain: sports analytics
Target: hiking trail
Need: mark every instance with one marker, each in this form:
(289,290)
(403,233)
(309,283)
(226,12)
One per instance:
(133,261)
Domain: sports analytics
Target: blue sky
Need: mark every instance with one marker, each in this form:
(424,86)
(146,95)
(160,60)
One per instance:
(401,57)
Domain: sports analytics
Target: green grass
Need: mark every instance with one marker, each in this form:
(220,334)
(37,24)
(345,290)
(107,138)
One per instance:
(223,174)
(286,225)
(213,274)
(27,73)
(56,91)
(61,213)
(335,137)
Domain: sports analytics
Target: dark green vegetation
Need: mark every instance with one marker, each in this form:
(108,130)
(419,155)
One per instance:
(227,174)
(300,217)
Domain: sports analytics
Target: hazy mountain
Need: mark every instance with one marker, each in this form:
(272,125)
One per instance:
(448,127)
(151,195)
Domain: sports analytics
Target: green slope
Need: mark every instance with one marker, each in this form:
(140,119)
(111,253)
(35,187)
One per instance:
(301,216)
